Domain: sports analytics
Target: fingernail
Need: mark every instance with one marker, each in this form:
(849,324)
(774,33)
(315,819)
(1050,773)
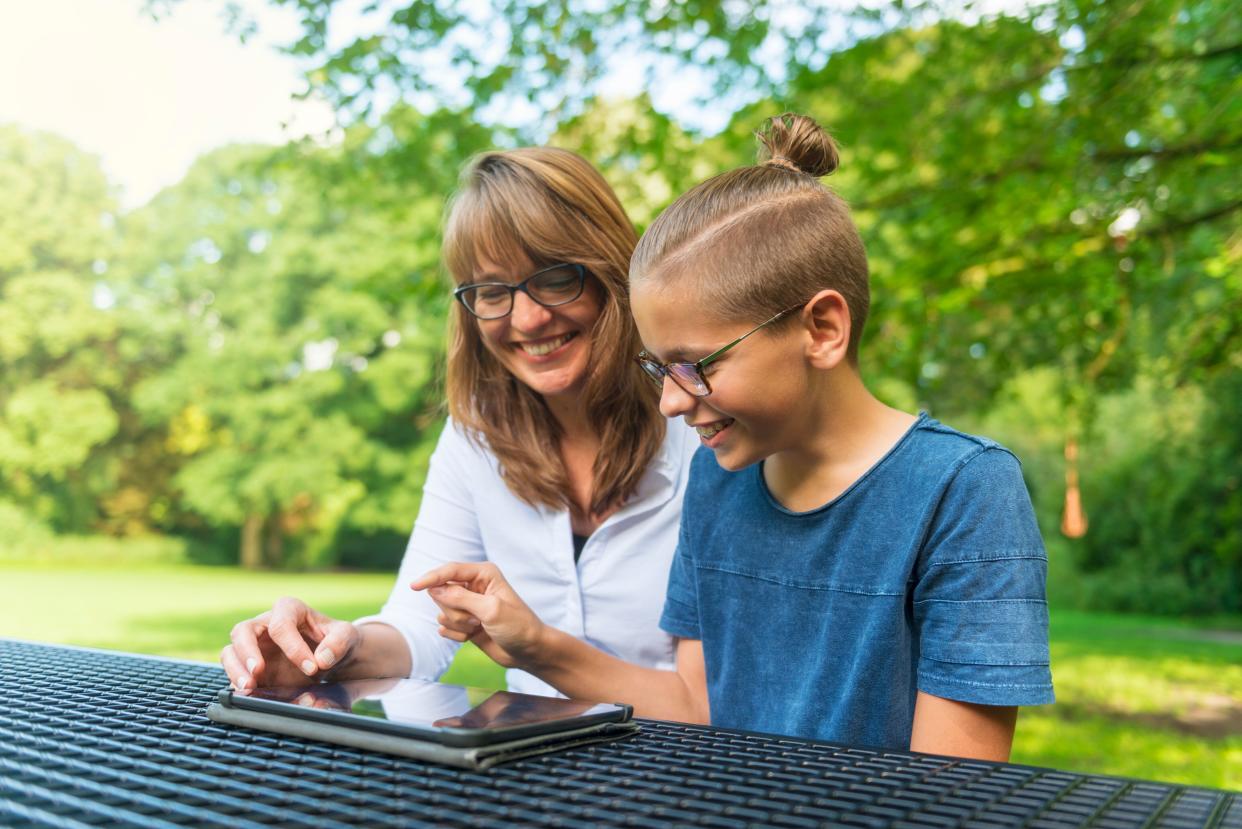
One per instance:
(436,591)
(243,683)
(308,667)
(327,657)
(251,663)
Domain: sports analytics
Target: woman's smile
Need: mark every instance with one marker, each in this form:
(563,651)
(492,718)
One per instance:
(544,349)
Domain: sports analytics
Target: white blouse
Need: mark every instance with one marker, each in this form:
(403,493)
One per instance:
(612,599)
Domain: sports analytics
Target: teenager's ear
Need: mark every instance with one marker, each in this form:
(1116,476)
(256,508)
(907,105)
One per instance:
(826,318)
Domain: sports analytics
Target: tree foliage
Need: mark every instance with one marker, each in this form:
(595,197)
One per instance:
(1047,197)
(61,393)
(301,292)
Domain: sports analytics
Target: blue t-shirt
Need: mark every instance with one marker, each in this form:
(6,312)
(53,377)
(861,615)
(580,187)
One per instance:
(926,574)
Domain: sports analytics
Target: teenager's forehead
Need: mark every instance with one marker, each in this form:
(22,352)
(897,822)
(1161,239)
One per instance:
(673,325)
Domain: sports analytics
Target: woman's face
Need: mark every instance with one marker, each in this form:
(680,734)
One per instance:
(548,349)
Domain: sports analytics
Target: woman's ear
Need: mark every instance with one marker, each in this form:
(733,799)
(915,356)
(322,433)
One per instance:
(826,319)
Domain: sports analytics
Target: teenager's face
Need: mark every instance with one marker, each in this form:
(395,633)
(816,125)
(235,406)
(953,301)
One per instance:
(548,349)
(757,386)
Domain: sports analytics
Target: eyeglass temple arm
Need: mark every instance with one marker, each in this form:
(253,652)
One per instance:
(715,354)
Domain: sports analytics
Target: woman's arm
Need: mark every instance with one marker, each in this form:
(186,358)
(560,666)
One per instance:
(479,605)
(963,729)
(447,529)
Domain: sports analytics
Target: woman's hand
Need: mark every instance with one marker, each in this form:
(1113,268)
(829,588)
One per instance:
(479,606)
(291,644)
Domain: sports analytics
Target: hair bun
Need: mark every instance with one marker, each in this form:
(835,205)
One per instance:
(797,142)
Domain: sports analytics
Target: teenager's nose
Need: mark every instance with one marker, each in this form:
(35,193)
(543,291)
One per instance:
(674,400)
(528,316)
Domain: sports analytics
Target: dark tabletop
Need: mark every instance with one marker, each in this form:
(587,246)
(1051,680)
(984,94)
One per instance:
(92,738)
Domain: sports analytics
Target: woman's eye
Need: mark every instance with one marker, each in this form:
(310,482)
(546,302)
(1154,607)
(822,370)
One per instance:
(557,284)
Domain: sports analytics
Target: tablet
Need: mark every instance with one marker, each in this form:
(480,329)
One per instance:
(450,715)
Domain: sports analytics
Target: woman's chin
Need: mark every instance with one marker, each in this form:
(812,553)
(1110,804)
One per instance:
(561,381)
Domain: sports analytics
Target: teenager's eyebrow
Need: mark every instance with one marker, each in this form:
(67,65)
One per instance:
(680,354)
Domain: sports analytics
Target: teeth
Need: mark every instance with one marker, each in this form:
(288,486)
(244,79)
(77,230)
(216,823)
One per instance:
(540,349)
(709,431)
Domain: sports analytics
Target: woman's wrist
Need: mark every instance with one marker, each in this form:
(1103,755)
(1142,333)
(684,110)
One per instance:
(380,651)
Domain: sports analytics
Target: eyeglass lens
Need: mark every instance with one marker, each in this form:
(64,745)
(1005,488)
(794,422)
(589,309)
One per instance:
(554,286)
(684,375)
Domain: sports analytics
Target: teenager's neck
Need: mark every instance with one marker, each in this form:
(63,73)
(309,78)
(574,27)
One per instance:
(835,440)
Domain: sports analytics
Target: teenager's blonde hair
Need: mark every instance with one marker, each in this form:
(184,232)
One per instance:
(551,206)
(757,240)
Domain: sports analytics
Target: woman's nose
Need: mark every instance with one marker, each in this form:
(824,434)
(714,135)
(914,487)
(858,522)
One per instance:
(674,400)
(528,315)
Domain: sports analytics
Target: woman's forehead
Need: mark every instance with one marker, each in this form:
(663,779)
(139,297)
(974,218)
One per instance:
(505,263)
(486,245)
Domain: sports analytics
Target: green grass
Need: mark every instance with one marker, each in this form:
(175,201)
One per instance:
(1139,697)
(183,610)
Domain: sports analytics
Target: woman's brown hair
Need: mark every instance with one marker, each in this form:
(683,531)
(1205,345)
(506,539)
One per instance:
(551,206)
(758,240)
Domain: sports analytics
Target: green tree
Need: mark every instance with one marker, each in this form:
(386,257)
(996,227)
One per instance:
(299,290)
(61,390)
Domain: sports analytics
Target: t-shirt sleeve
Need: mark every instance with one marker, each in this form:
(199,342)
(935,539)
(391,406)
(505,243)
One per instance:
(980,608)
(681,604)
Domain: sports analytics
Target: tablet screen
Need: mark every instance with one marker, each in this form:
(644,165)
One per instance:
(430,705)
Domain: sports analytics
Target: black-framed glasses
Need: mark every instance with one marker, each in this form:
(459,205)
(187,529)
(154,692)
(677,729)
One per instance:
(551,286)
(689,376)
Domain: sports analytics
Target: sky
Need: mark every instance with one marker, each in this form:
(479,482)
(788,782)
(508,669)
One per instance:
(149,97)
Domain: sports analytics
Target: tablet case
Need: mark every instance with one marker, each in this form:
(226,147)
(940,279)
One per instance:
(466,757)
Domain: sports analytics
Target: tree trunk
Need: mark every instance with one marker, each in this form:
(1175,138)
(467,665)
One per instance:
(251,542)
(1073,516)
(275,542)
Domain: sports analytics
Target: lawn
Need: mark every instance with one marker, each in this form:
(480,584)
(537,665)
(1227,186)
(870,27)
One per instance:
(1140,697)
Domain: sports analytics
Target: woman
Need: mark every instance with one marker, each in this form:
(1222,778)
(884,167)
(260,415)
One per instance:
(555,464)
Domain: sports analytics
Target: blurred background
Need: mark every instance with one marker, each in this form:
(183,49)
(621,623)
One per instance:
(222,312)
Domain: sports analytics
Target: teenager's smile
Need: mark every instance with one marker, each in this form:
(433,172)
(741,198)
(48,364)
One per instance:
(712,432)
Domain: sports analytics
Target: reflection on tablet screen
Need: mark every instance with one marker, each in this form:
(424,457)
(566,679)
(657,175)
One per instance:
(431,704)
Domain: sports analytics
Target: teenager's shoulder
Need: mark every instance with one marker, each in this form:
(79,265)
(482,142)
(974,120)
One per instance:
(942,449)
(964,473)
